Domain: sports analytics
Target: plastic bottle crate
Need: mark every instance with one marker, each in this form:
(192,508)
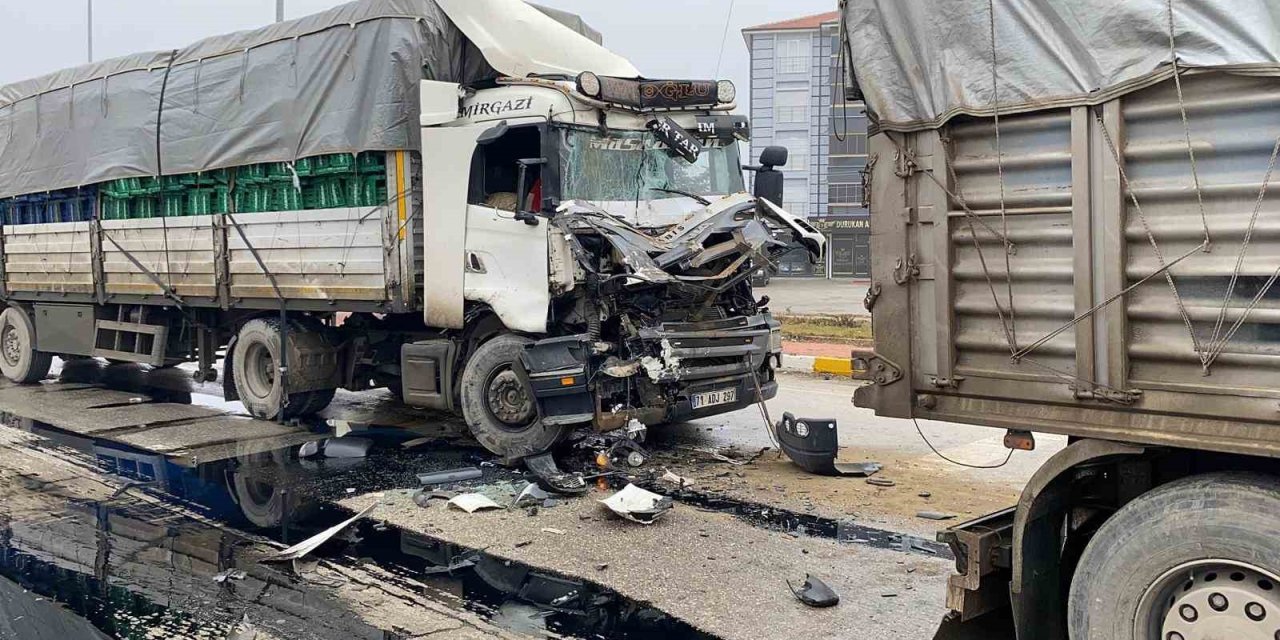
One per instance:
(284,198)
(173,205)
(252,174)
(206,201)
(335,164)
(372,162)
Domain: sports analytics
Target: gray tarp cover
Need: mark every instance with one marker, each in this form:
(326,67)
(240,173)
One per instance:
(341,81)
(921,62)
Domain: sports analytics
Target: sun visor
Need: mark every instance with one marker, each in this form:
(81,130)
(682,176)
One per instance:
(518,40)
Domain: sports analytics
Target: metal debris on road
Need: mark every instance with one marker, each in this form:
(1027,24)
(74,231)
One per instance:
(719,455)
(346,447)
(450,477)
(473,502)
(423,498)
(558,532)
(637,505)
(934,515)
(675,481)
(301,549)
(230,574)
(815,593)
(551,478)
(881,482)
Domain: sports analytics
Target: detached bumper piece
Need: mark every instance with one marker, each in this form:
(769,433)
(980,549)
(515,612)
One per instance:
(557,374)
(813,445)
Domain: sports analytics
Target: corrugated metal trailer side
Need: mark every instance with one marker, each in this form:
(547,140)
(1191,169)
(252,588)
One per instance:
(1109,315)
(345,259)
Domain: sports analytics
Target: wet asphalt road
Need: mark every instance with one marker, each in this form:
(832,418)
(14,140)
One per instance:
(685,569)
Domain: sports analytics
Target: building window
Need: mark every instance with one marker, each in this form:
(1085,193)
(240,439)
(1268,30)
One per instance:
(793,55)
(854,144)
(847,194)
(797,144)
(792,107)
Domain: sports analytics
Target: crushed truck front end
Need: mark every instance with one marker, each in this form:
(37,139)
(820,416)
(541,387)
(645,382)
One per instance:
(665,327)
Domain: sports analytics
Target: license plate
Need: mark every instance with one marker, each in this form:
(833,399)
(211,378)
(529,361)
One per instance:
(713,398)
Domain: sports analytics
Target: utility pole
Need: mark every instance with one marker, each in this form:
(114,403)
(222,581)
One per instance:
(279,10)
(90,48)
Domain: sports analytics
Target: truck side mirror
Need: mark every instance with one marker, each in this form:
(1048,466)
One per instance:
(774,157)
(522,191)
(769,181)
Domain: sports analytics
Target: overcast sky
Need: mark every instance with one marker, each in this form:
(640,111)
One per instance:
(663,38)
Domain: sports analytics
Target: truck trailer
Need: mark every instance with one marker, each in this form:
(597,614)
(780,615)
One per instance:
(472,204)
(1074,232)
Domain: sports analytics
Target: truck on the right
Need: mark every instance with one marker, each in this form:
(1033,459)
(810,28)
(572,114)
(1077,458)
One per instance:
(1075,230)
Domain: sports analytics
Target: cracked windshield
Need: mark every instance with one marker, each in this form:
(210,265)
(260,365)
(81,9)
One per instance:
(630,166)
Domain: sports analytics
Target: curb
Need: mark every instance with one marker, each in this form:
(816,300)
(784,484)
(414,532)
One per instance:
(812,364)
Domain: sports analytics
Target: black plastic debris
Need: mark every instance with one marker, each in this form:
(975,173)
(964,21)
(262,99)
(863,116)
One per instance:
(815,593)
(449,477)
(551,478)
(814,443)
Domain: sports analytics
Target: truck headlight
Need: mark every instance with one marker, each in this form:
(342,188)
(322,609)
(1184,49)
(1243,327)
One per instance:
(775,341)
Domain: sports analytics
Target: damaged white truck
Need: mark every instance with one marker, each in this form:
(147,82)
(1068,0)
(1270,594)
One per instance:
(473,204)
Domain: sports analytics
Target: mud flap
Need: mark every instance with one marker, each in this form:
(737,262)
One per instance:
(229,392)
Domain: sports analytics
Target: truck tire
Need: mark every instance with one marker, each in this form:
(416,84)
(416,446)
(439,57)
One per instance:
(19,360)
(501,411)
(1196,558)
(254,369)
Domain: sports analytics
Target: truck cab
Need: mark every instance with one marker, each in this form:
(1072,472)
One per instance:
(608,233)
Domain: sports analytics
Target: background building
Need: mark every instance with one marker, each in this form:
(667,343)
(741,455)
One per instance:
(796,103)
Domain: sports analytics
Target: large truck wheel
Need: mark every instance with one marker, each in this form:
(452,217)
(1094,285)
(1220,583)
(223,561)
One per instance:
(255,368)
(19,360)
(499,409)
(1194,559)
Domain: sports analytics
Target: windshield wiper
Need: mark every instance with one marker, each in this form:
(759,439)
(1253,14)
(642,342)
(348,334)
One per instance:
(678,192)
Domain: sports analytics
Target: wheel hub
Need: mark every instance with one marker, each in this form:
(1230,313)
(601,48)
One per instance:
(1214,600)
(508,400)
(12,345)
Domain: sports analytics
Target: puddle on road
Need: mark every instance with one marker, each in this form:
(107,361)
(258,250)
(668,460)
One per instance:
(137,571)
(113,581)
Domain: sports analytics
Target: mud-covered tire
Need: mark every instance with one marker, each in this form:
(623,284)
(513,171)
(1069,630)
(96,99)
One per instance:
(257,350)
(19,360)
(1212,518)
(489,373)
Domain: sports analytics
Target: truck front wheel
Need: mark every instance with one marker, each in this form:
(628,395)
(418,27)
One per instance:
(1194,559)
(19,360)
(500,409)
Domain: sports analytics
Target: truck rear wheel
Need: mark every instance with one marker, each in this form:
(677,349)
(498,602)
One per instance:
(19,360)
(1193,559)
(499,409)
(255,369)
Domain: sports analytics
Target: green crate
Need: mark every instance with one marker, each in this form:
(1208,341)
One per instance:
(174,205)
(143,207)
(252,199)
(114,208)
(284,198)
(252,174)
(209,200)
(373,162)
(335,164)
